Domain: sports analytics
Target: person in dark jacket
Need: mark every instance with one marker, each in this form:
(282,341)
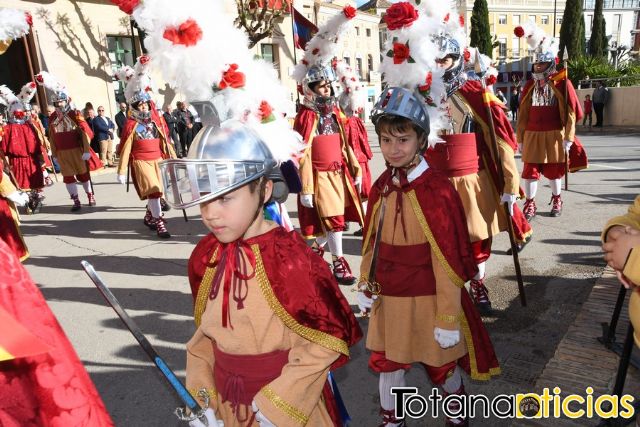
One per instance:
(184,120)
(514,102)
(121,118)
(103,129)
(172,124)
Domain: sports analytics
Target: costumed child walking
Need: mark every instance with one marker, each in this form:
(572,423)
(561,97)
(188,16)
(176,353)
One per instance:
(270,318)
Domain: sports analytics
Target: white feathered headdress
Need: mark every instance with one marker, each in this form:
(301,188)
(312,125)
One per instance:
(138,83)
(47,80)
(27,92)
(323,47)
(544,47)
(10,99)
(411,51)
(351,98)
(203,55)
(14,24)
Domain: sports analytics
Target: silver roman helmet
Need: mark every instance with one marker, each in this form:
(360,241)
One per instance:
(448,46)
(402,102)
(221,159)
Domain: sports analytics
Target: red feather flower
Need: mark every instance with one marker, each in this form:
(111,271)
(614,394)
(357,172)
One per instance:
(491,80)
(144,59)
(466,54)
(315,51)
(29,18)
(400,15)
(349,12)
(265,111)
(427,83)
(232,78)
(446,17)
(32,85)
(461,20)
(18,114)
(126,6)
(557,60)
(401,53)
(188,33)
(39,78)
(518,31)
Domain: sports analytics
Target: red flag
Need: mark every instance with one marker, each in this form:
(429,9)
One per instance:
(303,29)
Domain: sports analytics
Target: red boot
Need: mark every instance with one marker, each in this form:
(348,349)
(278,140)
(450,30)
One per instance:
(342,272)
(389,419)
(480,297)
(556,205)
(529,209)
(161,228)
(455,407)
(76,203)
(148,220)
(92,199)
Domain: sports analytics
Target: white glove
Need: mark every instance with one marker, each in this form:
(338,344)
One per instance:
(212,421)
(567,146)
(260,418)
(45,172)
(306,200)
(48,152)
(520,147)
(19,198)
(510,199)
(446,338)
(121,179)
(86,156)
(365,302)
(358,182)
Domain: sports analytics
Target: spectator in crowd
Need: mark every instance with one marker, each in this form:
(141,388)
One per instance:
(600,99)
(89,115)
(103,129)
(588,104)
(87,108)
(184,122)
(172,124)
(501,97)
(197,121)
(121,118)
(514,102)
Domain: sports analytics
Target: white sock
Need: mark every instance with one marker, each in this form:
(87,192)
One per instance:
(154,207)
(321,241)
(388,380)
(364,207)
(335,243)
(482,267)
(87,187)
(556,186)
(72,189)
(453,383)
(530,187)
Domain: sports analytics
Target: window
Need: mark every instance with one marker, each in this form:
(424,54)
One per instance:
(544,19)
(515,19)
(617,18)
(370,63)
(502,47)
(502,19)
(368,32)
(515,47)
(532,18)
(359,67)
(357,31)
(120,51)
(559,20)
(589,24)
(347,60)
(269,53)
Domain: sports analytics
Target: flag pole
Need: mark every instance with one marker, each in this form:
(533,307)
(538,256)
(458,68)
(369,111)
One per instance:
(295,57)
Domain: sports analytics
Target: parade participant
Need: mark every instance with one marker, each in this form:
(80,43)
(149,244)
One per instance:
(416,250)
(143,144)
(329,169)
(468,158)
(23,145)
(70,138)
(10,196)
(546,126)
(350,101)
(42,380)
(271,320)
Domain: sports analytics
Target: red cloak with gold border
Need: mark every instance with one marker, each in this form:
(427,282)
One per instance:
(577,155)
(439,209)
(84,131)
(47,389)
(9,219)
(473,93)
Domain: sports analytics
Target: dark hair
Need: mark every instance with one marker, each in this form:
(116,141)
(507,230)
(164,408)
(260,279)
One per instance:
(397,124)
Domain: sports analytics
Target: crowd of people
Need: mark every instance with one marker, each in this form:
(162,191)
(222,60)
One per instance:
(271,320)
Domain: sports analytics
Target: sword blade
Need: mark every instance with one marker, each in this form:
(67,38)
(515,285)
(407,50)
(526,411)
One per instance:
(170,376)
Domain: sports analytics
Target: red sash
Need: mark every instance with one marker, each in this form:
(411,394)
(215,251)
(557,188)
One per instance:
(67,140)
(326,152)
(146,149)
(238,377)
(544,118)
(458,156)
(405,271)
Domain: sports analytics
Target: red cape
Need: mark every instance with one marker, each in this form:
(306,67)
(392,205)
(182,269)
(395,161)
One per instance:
(50,389)
(76,116)
(301,281)
(444,215)
(9,228)
(577,155)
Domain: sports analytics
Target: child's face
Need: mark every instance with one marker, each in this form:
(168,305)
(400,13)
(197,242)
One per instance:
(323,88)
(231,216)
(399,148)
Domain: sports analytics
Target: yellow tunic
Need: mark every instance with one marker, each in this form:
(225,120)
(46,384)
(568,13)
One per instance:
(294,398)
(70,160)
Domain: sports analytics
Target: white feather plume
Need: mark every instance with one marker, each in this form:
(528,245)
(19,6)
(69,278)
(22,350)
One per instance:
(537,39)
(194,46)
(351,99)
(14,24)
(50,82)
(137,79)
(27,92)
(124,74)
(8,96)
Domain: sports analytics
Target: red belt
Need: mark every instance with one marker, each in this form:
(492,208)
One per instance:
(67,140)
(146,149)
(326,152)
(405,271)
(457,156)
(544,118)
(239,378)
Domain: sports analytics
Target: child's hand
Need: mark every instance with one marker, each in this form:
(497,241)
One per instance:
(617,251)
(260,418)
(446,338)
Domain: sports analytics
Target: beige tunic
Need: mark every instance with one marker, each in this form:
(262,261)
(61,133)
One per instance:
(70,160)
(403,327)
(294,398)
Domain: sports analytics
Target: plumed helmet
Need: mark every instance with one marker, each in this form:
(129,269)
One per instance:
(402,102)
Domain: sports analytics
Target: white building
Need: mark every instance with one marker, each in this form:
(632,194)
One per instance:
(621,19)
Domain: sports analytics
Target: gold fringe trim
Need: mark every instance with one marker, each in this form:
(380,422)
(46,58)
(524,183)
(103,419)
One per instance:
(315,336)
(212,392)
(203,291)
(457,280)
(482,376)
(449,318)
(293,412)
(374,220)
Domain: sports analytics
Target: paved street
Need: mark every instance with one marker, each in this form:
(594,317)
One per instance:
(148,276)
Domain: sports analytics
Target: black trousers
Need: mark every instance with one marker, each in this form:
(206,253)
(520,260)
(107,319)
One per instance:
(599,110)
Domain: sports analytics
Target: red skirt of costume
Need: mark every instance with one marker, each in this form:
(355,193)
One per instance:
(47,389)
(10,230)
(22,146)
(356,135)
